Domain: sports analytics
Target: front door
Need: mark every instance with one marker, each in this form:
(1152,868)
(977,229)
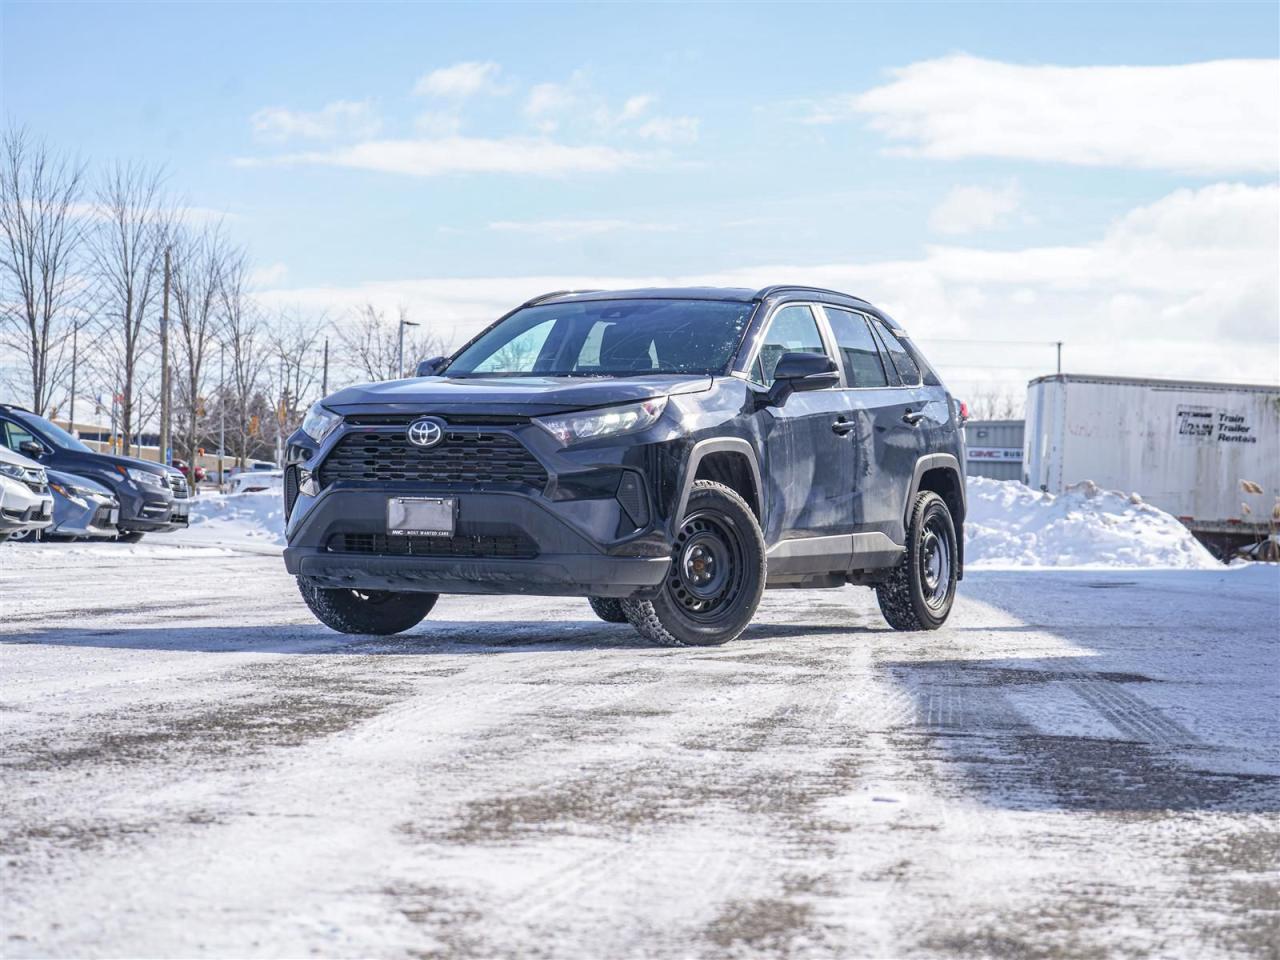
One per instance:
(807,459)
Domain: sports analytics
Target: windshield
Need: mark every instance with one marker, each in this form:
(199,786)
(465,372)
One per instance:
(51,432)
(609,338)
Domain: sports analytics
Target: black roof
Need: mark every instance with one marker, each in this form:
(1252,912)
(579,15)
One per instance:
(730,294)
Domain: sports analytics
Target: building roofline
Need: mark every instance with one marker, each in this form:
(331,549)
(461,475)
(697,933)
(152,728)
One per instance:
(1156,382)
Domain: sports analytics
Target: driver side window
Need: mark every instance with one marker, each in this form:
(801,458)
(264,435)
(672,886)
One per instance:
(13,436)
(792,329)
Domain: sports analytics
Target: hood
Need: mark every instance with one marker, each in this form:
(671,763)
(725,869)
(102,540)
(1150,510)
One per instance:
(75,480)
(523,396)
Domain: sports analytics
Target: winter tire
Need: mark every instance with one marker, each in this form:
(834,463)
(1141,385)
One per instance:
(717,574)
(922,588)
(378,612)
(608,609)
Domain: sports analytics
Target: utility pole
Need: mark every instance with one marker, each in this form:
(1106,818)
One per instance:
(164,370)
(324,377)
(1059,343)
(222,408)
(75,336)
(400,356)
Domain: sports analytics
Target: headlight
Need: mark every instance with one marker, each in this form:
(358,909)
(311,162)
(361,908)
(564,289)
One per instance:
(320,422)
(146,478)
(74,494)
(13,470)
(593,424)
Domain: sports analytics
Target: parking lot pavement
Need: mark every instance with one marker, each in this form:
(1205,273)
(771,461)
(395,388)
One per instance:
(1080,764)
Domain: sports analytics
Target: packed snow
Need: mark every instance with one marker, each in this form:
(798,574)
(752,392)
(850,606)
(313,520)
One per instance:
(1008,525)
(1011,525)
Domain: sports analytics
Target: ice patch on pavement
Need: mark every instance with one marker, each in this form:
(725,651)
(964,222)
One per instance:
(1011,525)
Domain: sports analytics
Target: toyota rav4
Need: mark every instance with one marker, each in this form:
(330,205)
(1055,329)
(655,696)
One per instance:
(668,454)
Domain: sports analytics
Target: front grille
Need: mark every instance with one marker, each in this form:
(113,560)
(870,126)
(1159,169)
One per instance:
(471,457)
(458,546)
(41,488)
(179,487)
(102,516)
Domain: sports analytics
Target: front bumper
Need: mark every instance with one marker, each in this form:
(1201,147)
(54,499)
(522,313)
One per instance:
(21,508)
(546,549)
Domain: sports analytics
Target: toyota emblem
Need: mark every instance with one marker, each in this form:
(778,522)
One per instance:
(426,432)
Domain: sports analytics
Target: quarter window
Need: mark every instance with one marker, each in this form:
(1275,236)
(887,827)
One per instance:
(792,330)
(862,361)
(906,366)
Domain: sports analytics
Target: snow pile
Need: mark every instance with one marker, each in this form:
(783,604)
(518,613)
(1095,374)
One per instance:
(1011,525)
(238,519)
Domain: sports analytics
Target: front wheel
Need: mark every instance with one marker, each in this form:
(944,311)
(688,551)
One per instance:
(608,609)
(922,589)
(717,574)
(378,612)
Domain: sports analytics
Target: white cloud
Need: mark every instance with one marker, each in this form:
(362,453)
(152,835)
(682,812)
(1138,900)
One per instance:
(268,276)
(342,118)
(446,155)
(1184,287)
(1216,117)
(438,123)
(669,129)
(971,208)
(461,80)
(570,229)
(635,106)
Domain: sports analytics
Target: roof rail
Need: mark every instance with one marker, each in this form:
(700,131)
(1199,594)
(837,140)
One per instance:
(769,291)
(552,295)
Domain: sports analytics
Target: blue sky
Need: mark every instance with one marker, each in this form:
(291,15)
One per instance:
(394,152)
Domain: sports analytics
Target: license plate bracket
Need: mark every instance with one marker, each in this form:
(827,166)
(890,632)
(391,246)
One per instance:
(421,516)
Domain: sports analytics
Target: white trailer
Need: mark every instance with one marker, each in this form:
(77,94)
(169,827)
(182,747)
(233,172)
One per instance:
(1184,446)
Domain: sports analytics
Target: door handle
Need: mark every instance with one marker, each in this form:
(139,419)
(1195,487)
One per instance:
(912,418)
(843,426)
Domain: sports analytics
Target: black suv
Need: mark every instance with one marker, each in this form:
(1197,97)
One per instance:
(666,453)
(153,498)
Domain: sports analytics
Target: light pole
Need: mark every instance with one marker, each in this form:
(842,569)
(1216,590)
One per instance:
(400,354)
(222,411)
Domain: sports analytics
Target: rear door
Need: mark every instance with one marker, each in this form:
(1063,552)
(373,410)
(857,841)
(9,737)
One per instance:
(807,464)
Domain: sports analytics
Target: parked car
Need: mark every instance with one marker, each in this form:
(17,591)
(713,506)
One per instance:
(145,489)
(181,514)
(81,509)
(253,481)
(185,469)
(25,501)
(668,454)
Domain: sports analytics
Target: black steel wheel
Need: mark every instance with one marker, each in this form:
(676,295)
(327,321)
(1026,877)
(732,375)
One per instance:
(922,589)
(716,578)
(378,612)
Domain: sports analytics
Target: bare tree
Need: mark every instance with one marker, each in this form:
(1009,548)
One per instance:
(243,334)
(371,342)
(198,260)
(41,231)
(128,253)
(994,404)
(294,372)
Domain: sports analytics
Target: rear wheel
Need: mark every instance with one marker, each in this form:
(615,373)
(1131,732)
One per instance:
(716,578)
(608,609)
(922,589)
(379,612)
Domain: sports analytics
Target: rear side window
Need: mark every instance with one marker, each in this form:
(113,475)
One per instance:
(792,330)
(862,361)
(906,366)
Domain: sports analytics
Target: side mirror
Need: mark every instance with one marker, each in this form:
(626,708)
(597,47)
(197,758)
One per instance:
(801,371)
(428,368)
(31,448)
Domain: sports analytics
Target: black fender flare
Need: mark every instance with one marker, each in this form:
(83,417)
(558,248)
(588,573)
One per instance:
(696,453)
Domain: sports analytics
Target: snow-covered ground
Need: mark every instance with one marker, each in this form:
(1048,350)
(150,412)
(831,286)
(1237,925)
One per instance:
(1082,763)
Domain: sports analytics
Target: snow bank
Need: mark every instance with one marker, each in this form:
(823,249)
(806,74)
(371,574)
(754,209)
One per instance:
(236,519)
(1011,525)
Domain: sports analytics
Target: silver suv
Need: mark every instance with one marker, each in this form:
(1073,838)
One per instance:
(25,500)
